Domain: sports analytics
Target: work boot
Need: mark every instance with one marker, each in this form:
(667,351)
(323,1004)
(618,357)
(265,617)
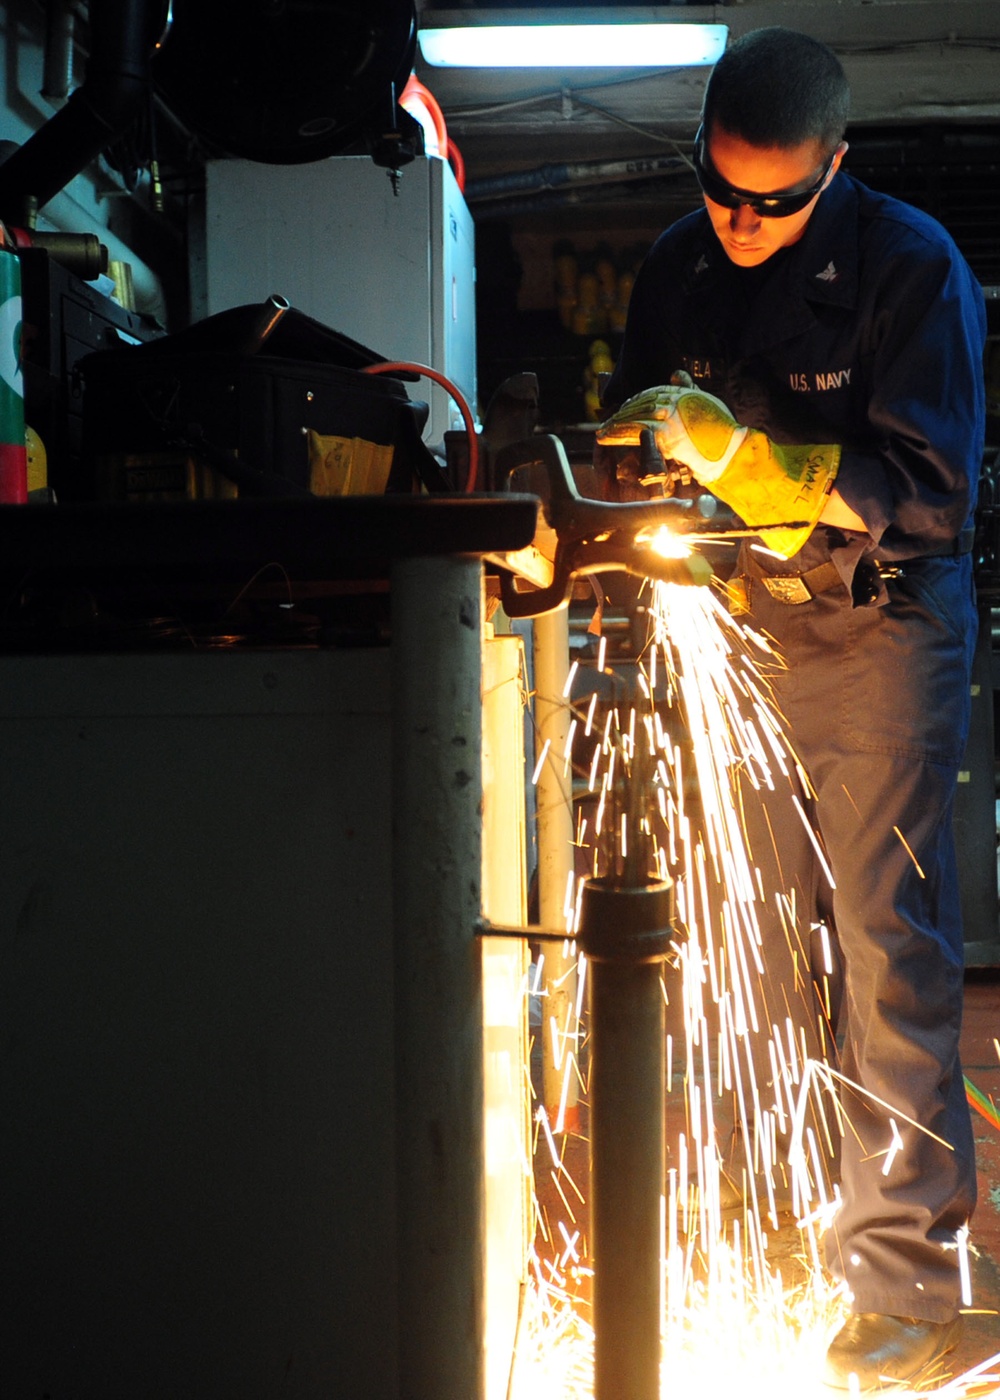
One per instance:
(884,1351)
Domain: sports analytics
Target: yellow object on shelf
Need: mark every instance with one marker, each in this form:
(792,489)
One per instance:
(160,476)
(38,462)
(566,268)
(600,363)
(341,466)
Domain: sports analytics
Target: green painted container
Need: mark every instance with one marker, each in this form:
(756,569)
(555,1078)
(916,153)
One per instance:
(13,456)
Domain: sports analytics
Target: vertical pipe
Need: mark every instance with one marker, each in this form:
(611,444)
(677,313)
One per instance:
(625,933)
(437,613)
(626,1175)
(57,71)
(554,797)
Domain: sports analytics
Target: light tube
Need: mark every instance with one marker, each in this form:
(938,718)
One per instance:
(666,45)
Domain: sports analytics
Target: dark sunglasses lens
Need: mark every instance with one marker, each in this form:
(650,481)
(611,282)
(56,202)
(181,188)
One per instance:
(717,190)
(781,207)
(767,207)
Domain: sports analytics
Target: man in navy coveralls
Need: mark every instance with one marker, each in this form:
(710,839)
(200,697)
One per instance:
(820,312)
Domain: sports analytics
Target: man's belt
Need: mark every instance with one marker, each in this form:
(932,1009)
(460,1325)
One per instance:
(961,544)
(802,588)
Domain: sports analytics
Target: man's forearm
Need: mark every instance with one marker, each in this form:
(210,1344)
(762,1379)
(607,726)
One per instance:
(838,512)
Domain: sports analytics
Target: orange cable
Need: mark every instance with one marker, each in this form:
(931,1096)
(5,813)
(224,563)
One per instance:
(411,367)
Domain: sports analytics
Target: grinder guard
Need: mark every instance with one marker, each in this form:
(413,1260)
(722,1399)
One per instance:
(577,536)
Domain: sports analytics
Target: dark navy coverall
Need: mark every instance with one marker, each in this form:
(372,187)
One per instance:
(868,332)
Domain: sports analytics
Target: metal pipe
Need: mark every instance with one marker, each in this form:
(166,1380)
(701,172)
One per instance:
(83,254)
(270,313)
(66,215)
(117,78)
(549,177)
(436,650)
(554,799)
(577,196)
(57,72)
(625,935)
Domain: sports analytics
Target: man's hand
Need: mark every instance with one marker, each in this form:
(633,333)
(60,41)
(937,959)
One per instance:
(763,482)
(687,425)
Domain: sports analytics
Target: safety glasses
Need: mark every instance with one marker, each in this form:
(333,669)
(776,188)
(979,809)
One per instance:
(767,206)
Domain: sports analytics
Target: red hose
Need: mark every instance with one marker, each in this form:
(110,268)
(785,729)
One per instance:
(415,87)
(449,151)
(410,367)
(457,164)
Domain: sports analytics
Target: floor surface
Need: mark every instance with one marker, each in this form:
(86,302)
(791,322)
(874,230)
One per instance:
(981,1056)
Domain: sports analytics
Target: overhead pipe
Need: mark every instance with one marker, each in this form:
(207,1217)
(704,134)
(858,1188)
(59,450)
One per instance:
(117,78)
(577,196)
(57,73)
(585,172)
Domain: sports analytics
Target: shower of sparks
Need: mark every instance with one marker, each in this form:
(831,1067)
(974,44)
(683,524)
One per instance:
(541,761)
(909,851)
(701,735)
(667,543)
(962,1243)
(894,1147)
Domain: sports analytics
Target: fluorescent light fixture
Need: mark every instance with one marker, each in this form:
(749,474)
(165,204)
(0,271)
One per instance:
(624,45)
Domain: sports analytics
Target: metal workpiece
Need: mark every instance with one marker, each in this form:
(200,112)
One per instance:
(626,924)
(437,613)
(625,932)
(262,325)
(592,536)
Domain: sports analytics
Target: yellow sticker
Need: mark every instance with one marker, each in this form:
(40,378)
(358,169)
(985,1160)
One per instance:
(341,466)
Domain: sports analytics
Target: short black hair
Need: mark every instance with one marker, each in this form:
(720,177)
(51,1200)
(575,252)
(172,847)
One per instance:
(776,87)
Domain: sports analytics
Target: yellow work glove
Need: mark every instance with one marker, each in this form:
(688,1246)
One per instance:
(762,481)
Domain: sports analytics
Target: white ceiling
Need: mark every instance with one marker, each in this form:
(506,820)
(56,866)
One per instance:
(908,61)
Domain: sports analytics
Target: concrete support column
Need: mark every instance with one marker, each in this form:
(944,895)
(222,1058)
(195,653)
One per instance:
(437,613)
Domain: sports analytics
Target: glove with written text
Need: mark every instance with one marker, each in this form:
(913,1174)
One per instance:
(764,482)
